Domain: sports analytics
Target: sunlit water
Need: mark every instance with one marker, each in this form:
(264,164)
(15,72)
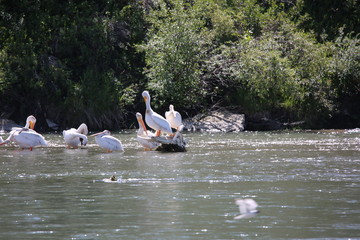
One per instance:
(307,185)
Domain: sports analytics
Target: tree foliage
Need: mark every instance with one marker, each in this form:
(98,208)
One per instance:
(71,62)
(88,61)
(174,53)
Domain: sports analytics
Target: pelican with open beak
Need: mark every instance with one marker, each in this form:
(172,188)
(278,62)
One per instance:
(155,120)
(107,142)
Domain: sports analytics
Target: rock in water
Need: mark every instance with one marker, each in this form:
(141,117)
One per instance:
(171,148)
(216,121)
(175,144)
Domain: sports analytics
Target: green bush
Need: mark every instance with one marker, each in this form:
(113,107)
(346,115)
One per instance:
(174,51)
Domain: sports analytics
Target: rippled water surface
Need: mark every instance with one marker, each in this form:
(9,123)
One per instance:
(307,185)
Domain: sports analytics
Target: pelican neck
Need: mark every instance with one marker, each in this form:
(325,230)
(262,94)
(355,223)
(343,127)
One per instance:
(148,106)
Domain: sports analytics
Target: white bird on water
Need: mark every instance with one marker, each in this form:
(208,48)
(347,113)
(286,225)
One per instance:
(155,120)
(26,137)
(247,208)
(144,136)
(75,137)
(174,117)
(108,142)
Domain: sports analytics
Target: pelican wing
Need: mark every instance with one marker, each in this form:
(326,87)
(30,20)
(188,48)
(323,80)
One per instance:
(110,143)
(242,205)
(29,139)
(83,129)
(161,122)
(146,142)
(174,118)
(177,121)
(72,137)
(177,115)
(143,134)
(250,204)
(246,205)
(18,129)
(168,115)
(70,134)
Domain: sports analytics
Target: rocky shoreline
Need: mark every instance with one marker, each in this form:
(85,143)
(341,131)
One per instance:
(225,121)
(216,121)
(213,121)
(6,125)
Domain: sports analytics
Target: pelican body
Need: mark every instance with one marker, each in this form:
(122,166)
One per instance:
(247,208)
(144,136)
(105,141)
(26,137)
(75,137)
(153,119)
(173,117)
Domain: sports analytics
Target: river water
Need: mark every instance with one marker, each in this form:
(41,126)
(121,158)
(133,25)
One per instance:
(307,186)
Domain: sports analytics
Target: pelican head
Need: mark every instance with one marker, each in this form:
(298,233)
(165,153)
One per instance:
(30,122)
(146,96)
(141,122)
(105,132)
(138,116)
(171,107)
(83,141)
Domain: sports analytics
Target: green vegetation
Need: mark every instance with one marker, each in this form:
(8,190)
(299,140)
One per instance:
(89,61)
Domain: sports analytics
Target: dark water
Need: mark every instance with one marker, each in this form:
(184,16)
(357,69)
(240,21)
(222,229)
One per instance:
(307,185)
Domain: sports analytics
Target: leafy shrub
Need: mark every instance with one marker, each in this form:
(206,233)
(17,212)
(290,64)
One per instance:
(173,54)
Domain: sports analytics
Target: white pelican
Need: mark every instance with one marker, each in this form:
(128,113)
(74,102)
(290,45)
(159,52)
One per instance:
(108,142)
(30,124)
(174,118)
(26,137)
(75,137)
(154,120)
(144,136)
(247,208)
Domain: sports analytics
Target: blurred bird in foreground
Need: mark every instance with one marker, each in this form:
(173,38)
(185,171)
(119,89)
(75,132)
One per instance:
(247,208)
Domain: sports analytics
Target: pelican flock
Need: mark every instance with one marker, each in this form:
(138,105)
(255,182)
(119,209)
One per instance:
(27,138)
